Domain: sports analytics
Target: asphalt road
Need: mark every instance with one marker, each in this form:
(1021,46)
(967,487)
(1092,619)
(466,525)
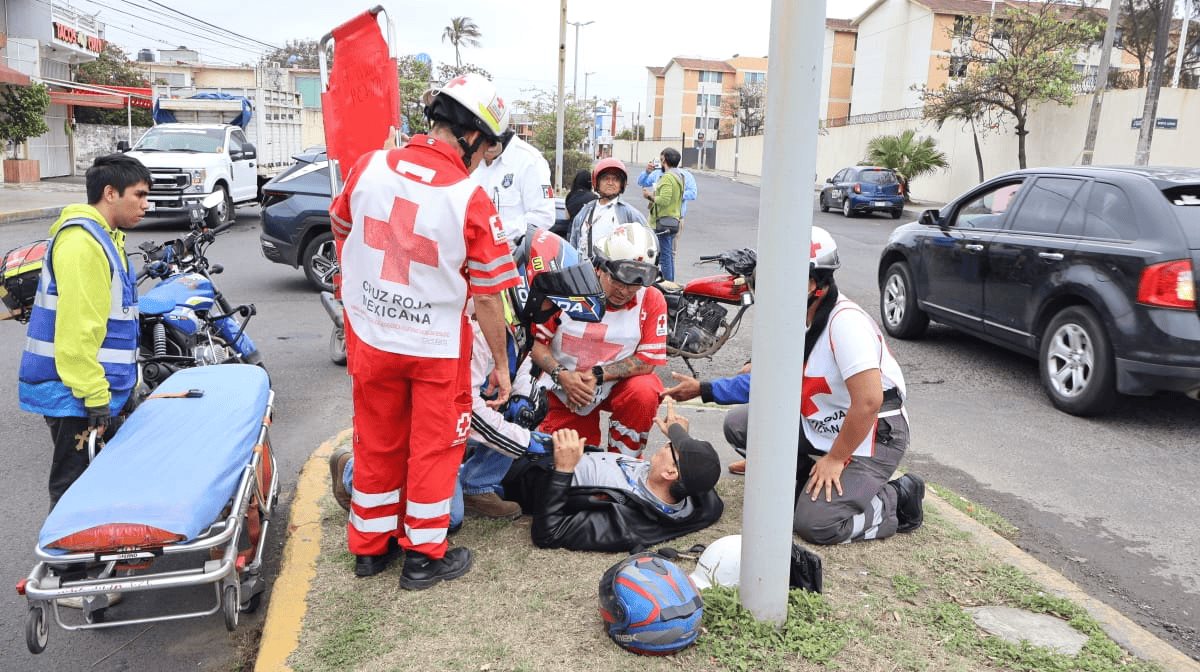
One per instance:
(1109,502)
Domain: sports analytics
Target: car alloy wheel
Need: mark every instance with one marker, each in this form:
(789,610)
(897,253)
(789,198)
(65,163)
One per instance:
(902,317)
(320,261)
(1070,360)
(846,211)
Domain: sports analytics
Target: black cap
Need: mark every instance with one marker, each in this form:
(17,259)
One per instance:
(699,466)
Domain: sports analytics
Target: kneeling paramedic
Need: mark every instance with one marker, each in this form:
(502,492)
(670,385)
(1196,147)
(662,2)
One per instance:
(855,425)
(420,239)
(79,368)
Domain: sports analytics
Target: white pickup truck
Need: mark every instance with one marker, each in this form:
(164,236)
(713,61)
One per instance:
(230,146)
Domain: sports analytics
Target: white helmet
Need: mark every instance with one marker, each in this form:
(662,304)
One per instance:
(469,101)
(720,564)
(630,254)
(823,253)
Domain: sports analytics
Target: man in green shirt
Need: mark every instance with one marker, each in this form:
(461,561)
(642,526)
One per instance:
(666,202)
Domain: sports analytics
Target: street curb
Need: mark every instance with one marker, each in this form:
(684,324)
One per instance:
(19,216)
(1131,636)
(289,595)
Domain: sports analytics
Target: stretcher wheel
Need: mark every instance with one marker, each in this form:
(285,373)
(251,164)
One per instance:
(37,630)
(94,616)
(229,604)
(337,347)
(251,605)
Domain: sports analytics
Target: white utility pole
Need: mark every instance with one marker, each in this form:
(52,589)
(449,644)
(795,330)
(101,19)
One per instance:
(575,80)
(1110,31)
(1182,46)
(784,236)
(562,74)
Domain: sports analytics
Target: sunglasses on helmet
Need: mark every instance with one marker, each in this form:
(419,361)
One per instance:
(632,272)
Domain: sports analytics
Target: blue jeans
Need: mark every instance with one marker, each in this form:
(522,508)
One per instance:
(456,502)
(483,470)
(666,255)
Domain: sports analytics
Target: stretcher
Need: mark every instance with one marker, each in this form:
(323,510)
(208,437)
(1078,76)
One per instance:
(189,475)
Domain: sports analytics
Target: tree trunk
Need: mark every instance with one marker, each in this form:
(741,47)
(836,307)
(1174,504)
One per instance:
(1021,133)
(978,152)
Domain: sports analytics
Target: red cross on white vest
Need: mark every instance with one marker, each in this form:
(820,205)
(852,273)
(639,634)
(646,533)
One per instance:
(591,349)
(812,387)
(400,244)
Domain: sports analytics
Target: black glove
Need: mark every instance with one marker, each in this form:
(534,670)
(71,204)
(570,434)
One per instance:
(528,412)
(98,417)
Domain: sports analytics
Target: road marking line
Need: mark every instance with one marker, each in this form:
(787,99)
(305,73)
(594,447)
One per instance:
(281,632)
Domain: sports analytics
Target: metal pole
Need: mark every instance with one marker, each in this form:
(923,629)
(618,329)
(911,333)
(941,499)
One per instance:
(1158,65)
(575,78)
(129,119)
(1179,48)
(562,72)
(790,149)
(737,141)
(1089,141)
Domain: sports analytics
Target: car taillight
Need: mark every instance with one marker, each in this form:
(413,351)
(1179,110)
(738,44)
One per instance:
(272,197)
(857,188)
(1170,284)
(900,188)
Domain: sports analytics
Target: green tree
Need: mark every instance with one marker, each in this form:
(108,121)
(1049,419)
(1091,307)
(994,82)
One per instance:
(1024,57)
(748,106)
(909,156)
(541,108)
(298,54)
(22,113)
(463,32)
(1138,24)
(111,68)
(447,72)
(414,81)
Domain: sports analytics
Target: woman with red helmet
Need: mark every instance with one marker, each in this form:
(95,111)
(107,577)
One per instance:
(599,218)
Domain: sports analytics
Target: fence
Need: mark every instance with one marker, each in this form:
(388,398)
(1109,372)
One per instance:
(874,117)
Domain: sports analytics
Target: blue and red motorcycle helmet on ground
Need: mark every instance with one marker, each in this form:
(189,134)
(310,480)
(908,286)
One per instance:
(650,606)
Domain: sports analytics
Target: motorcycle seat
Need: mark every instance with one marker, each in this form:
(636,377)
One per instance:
(155,304)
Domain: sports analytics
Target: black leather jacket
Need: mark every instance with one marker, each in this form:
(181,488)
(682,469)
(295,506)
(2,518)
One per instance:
(596,519)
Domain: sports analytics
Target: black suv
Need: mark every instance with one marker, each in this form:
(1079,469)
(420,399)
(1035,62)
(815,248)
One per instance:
(1091,270)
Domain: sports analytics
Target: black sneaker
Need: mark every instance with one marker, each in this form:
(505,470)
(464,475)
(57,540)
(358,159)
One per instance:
(910,493)
(370,565)
(420,572)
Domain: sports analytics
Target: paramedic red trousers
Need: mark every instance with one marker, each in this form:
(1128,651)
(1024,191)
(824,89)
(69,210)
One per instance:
(633,403)
(411,420)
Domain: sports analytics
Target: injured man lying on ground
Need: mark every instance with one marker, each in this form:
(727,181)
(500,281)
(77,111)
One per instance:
(598,501)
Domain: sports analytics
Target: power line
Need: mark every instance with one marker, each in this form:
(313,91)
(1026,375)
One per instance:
(176,29)
(204,27)
(265,44)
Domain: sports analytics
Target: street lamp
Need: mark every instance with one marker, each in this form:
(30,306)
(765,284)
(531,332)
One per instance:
(591,113)
(575,79)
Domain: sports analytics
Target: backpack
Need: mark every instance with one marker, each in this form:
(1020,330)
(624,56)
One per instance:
(650,606)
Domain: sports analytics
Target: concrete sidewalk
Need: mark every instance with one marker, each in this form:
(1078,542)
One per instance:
(305,582)
(39,200)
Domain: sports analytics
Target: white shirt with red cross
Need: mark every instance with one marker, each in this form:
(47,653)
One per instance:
(421,235)
(638,328)
(851,343)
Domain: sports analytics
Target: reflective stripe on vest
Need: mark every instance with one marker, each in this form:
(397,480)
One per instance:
(42,390)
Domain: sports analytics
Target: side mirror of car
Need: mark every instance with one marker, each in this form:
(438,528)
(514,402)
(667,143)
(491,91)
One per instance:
(931,218)
(249,151)
(829,180)
(122,145)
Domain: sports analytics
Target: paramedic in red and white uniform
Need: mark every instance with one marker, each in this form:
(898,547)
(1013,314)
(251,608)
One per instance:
(420,238)
(609,365)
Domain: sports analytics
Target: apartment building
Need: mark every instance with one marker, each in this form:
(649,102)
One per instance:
(903,45)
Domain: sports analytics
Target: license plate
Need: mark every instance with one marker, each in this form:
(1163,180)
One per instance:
(881,204)
(151,206)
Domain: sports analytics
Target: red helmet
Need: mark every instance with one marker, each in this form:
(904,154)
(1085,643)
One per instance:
(610,163)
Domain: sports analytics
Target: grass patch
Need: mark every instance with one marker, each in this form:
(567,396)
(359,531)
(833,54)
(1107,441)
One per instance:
(891,605)
(990,519)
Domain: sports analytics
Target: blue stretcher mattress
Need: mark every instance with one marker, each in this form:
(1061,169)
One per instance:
(175,463)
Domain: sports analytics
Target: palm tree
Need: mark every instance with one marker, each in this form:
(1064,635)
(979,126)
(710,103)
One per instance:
(906,155)
(461,31)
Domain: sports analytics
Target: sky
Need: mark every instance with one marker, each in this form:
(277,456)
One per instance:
(519,37)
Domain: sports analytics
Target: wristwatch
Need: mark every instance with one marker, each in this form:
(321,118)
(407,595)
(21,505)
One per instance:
(554,374)
(598,372)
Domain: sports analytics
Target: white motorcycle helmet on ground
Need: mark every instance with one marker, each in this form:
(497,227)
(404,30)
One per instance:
(720,564)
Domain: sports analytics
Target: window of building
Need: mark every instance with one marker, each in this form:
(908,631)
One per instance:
(1119,38)
(710,76)
(756,77)
(713,100)
(958,67)
(713,123)
(964,26)
(170,78)
(1002,29)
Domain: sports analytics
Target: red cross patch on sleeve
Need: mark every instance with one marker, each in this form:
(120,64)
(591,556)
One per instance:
(548,190)
(497,228)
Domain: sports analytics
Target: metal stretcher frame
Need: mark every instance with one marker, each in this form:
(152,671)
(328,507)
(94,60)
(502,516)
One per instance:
(46,583)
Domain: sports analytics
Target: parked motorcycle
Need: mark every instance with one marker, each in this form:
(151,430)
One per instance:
(697,315)
(337,337)
(185,320)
